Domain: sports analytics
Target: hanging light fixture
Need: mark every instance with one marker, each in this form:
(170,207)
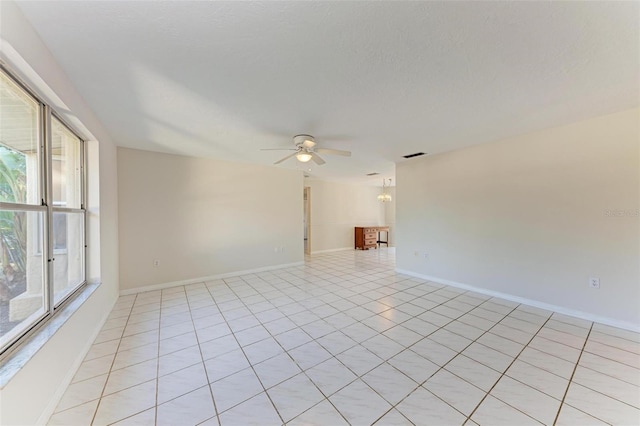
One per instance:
(303,156)
(384,197)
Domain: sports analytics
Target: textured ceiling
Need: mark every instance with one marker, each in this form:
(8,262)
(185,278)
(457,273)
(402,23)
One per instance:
(382,79)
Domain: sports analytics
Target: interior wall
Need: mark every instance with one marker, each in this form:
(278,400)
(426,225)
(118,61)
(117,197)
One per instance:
(533,216)
(202,217)
(336,208)
(33,392)
(390,216)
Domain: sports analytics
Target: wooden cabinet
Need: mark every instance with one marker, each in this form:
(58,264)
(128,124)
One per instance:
(369,237)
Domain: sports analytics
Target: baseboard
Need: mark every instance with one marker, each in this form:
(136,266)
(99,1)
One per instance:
(542,305)
(208,278)
(331,250)
(57,396)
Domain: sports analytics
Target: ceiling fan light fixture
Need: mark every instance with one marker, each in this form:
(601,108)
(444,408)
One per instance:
(305,150)
(303,157)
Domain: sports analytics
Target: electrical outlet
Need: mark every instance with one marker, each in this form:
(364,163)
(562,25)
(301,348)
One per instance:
(416,253)
(275,249)
(281,249)
(156,263)
(594,282)
(426,256)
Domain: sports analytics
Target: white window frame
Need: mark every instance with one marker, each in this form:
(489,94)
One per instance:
(46,206)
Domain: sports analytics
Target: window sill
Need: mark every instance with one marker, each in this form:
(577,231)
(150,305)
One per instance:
(19,357)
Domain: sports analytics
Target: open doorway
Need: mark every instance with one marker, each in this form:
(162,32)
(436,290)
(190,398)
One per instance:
(307,220)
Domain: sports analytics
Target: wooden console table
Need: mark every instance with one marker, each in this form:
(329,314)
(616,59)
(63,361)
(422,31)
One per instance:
(369,237)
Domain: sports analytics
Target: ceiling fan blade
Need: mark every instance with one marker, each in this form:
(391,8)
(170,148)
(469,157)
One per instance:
(334,152)
(308,144)
(285,158)
(278,149)
(317,159)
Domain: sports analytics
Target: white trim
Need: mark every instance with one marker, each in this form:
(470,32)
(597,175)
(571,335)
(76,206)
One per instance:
(542,305)
(331,250)
(64,384)
(10,57)
(209,278)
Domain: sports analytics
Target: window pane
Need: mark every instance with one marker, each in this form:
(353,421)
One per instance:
(65,166)
(19,164)
(68,252)
(21,272)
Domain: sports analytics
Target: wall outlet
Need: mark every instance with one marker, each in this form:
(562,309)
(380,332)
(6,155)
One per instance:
(426,256)
(156,262)
(281,249)
(275,249)
(594,282)
(416,253)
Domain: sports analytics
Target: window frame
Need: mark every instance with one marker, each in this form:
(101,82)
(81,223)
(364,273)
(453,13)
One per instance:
(53,209)
(46,206)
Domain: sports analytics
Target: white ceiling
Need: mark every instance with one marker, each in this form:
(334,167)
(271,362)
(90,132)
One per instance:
(382,79)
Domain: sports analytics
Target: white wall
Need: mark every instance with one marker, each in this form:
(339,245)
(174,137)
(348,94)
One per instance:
(527,216)
(32,393)
(336,208)
(203,217)
(390,216)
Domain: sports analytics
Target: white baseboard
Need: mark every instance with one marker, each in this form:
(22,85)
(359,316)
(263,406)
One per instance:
(331,250)
(57,396)
(625,325)
(162,286)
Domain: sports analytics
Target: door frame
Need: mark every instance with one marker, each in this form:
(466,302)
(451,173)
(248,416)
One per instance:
(307,214)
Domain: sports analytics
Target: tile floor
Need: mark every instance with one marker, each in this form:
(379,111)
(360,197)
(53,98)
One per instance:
(346,340)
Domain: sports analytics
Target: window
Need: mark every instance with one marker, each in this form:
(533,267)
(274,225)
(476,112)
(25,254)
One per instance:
(65,166)
(42,216)
(68,216)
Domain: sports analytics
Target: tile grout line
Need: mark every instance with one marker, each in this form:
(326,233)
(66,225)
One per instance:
(504,373)
(313,340)
(614,360)
(393,406)
(573,373)
(240,298)
(360,376)
(155,408)
(138,363)
(566,391)
(264,390)
(285,351)
(104,387)
(376,287)
(617,337)
(204,367)
(421,385)
(612,377)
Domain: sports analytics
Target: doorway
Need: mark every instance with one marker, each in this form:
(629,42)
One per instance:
(307,220)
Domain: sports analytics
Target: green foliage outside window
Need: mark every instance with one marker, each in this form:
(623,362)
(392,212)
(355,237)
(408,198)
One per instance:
(13,225)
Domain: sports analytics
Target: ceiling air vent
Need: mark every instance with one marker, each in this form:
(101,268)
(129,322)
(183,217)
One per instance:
(373,174)
(417,154)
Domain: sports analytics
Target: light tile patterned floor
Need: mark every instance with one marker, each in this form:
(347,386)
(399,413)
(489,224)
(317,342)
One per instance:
(346,340)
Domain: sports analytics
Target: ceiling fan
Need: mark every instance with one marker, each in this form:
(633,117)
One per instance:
(305,150)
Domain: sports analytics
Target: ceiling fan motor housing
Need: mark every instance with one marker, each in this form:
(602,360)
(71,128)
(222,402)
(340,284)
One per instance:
(307,141)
